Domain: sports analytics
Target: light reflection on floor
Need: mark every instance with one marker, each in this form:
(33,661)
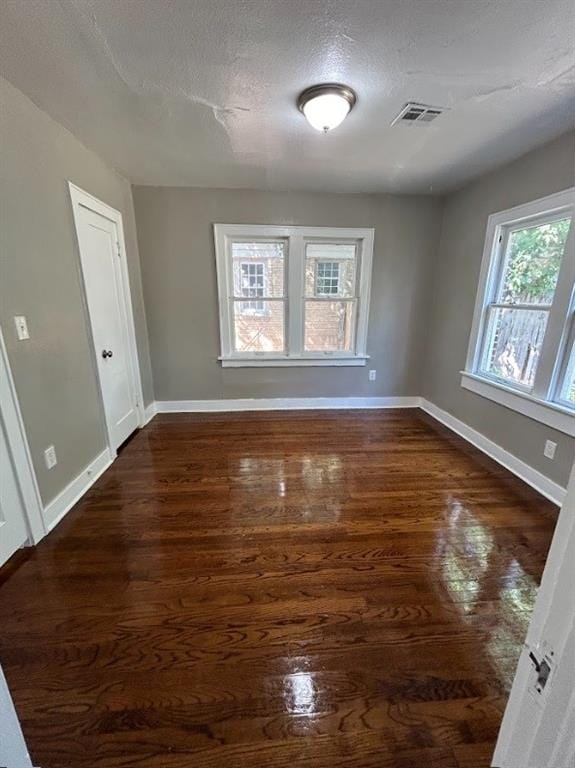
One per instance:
(300,694)
(285,476)
(465,547)
(321,471)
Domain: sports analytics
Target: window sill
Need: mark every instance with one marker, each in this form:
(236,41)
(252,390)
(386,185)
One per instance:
(551,414)
(292,362)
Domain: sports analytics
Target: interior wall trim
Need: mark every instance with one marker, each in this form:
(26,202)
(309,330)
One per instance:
(73,492)
(149,412)
(284,404)
(11,416)
(547,487)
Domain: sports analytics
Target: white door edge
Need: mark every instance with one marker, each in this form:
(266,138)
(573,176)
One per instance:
(551,624)
(20,450)
(82,199)
(13,750)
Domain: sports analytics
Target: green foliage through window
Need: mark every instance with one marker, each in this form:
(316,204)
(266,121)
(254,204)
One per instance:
(533,260)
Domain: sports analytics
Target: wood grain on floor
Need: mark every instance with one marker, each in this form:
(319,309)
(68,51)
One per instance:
(316,589)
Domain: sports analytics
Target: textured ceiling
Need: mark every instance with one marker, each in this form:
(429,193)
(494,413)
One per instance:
(202,92)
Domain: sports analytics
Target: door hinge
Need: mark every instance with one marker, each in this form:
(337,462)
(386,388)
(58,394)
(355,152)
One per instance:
(119,250)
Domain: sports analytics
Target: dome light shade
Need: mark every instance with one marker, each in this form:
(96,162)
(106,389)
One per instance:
(326,106)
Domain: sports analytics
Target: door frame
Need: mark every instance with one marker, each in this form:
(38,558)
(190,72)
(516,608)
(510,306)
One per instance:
(20,451)
(82,199)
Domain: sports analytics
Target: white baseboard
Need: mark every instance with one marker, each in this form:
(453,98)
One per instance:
(284,404)
(551,490)
(149,412)
(72,493)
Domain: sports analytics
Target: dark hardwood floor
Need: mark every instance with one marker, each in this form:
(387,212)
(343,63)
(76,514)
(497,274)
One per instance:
(319,589)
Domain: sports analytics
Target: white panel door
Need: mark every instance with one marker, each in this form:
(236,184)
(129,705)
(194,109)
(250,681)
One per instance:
(99,252)
(13,529)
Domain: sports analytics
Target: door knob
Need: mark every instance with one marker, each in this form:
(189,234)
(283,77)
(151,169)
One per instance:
(107,353)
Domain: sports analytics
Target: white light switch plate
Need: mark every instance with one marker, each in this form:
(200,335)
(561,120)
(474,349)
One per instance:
(21,327)
(50,457)
(372,375)
(549,450)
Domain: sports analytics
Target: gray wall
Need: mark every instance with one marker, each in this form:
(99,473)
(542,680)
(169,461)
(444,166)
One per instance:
(40,277)
(421,310)
(179,274)
(545,170)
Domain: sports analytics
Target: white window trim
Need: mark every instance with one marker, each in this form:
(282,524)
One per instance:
(295,259)
(538,404)
(552,414)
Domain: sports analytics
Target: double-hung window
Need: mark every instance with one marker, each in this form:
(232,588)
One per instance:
(521,351)
(293,295)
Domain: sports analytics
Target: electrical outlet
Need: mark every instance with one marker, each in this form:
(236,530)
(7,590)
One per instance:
(372,375)
(21,327)
(549,450)
(50,457)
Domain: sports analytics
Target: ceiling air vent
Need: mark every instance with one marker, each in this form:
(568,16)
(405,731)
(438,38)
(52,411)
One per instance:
(418,114)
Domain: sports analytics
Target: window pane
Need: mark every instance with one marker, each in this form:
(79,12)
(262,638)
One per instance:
(330,269)
(567,393)
(259,326)
(258,269)
(532,263)
(329,326)
(513,344)
(252,284)
(327,278)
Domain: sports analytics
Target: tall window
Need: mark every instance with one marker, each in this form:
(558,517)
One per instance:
(523,330)
(330,303)
(258,269)
(293,295)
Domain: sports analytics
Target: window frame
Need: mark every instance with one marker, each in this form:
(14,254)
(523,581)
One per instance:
(295,238)
(542,401)
(567,362)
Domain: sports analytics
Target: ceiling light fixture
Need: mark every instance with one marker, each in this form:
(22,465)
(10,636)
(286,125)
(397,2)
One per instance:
(326,106)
